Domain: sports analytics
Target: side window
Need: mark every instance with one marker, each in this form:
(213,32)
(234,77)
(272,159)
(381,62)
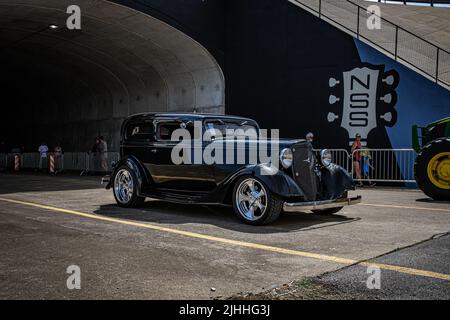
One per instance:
(233,128)
(142,131)
(166,129)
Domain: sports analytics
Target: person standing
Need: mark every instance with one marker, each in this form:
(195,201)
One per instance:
(43,155)
(310,137)
(93,156)
(94,148)
(366,166)
(103,149)
(58,157)
(356,152)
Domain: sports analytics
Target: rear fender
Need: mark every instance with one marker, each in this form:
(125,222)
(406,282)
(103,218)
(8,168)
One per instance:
(137,167)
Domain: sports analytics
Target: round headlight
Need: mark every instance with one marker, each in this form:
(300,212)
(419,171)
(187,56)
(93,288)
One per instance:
(286,157)
(325,157)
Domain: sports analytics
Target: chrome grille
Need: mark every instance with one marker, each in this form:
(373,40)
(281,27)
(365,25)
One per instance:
(303,169)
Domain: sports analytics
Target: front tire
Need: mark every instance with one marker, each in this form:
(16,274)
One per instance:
(432,169)
(254,203)
(125,186)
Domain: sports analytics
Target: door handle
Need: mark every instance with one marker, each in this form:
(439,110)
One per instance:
(153,150)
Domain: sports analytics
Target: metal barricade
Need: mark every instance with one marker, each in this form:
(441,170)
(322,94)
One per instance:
(375,165)
(72,161)
(75,161)
(384,165)
(99,162)
(32,161)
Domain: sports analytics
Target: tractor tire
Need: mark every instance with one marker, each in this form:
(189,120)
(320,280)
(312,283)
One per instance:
(432,169)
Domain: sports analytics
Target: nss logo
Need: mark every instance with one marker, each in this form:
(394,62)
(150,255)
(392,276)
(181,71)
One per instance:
(368,101)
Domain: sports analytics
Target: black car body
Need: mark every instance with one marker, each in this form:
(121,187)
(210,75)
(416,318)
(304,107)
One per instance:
(257,191)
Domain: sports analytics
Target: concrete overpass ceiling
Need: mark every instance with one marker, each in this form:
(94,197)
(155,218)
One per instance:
(121,61)
(134,40)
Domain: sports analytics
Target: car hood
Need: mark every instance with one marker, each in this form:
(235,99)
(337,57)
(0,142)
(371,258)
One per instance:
(283,143)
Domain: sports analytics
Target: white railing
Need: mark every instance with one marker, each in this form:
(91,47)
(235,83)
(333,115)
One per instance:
(95,162)
(377,165)
(387,165)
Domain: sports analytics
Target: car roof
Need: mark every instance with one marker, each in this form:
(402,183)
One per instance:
(186,115)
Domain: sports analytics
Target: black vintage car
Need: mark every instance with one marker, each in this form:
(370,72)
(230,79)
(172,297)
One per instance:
(297,180)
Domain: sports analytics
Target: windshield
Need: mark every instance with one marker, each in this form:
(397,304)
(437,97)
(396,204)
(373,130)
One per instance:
(222,128)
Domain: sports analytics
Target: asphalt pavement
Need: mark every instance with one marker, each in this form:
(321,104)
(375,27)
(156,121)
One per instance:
(170,251)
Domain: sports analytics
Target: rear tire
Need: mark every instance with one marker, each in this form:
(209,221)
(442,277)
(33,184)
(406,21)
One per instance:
(432,169)
(254,203)
(125,188)
(327,211)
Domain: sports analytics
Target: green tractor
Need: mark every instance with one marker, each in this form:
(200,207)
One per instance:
(432,166)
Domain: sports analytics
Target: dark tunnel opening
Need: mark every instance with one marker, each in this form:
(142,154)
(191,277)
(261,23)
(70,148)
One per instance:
(69,86)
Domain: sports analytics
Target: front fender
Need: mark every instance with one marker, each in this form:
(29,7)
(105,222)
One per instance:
(136,166)
(336,181)
(277,181)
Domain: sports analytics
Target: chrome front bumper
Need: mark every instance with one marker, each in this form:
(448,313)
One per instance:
(318,205)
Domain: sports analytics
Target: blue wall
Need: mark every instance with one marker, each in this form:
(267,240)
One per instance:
(420,101)
(278,63)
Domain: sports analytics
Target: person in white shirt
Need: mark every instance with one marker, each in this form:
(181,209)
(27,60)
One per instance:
(43,154)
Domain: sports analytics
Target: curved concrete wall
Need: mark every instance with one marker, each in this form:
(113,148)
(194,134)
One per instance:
(82,83)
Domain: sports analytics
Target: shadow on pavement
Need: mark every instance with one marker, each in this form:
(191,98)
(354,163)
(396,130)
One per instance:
(42,182)
(156,211)
(429,200)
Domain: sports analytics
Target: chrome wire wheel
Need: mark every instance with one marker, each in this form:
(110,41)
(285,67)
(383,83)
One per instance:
(251,199)
(123,186)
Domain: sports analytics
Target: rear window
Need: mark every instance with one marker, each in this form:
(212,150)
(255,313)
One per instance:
(142,131)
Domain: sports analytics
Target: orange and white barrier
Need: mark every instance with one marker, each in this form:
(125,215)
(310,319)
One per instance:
(51,163)
(16,162)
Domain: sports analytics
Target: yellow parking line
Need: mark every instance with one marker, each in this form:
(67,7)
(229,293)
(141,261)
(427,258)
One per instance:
(412,271)
(403,207)
(252,245)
